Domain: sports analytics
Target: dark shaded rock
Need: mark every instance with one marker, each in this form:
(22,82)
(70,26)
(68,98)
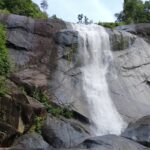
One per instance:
(67,37)
(60,132)
(7,134)
(11,113)
(139,131)
(17,112)
(30,142)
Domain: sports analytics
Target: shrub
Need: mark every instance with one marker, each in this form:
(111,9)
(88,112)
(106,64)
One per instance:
(23,7)
(37,125)
(54,110)
(38,121)
(3,88)
(4,11)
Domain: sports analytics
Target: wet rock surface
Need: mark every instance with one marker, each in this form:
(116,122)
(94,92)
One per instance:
(139,131)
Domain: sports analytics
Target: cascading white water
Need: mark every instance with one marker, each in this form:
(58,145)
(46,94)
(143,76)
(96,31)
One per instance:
(94,52)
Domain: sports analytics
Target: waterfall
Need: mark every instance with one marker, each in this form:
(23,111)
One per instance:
(95,56)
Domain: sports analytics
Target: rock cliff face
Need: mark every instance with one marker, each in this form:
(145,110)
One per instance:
(28,41)
(129,82)
(45,53)
(32,48)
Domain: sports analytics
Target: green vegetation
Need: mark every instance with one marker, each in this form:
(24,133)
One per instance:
(5,65)
(38,121)
(110,25)
(71,53)
(84,19)
(54,17)
(54,110)
(44,5)
(22,7)
(4,11)
(134,11)
(37,125)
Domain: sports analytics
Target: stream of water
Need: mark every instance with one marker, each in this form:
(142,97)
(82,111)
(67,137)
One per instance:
(95,55)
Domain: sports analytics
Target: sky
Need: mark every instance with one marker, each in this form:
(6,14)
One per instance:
(96,10)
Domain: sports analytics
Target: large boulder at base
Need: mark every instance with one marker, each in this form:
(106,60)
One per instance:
(30,142)
(107,142)
(61,132)
(110,142)
(139,131)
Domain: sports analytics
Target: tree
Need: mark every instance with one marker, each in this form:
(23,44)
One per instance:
(84,19)
(147,10)
(22,7)
(134,11)
(80,17)
(44,5)
(54,16)
(119,16)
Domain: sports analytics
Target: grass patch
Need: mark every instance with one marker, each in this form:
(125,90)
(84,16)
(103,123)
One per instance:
(111,25)
(3,87)
(71,53)
(5,63)
(4,11)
